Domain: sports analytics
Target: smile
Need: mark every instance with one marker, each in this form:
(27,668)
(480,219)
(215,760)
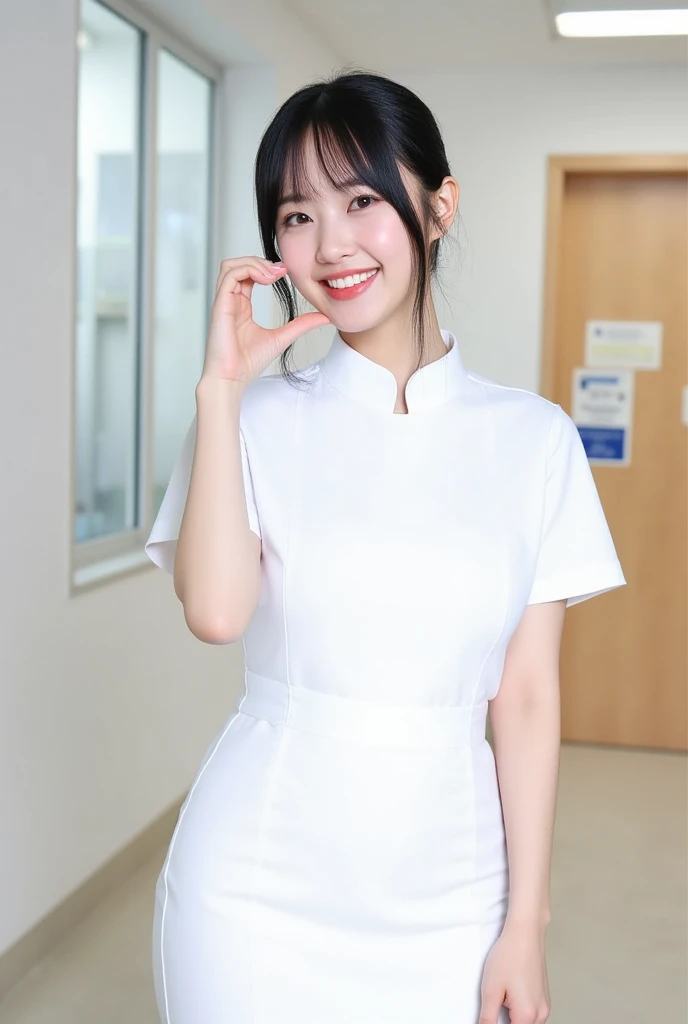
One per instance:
(348,287)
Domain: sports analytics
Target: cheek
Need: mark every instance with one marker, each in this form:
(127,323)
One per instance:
(385,238)
(297,251)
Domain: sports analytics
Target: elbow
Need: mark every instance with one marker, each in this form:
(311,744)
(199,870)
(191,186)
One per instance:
(211,630)
(217,629)
(221,618)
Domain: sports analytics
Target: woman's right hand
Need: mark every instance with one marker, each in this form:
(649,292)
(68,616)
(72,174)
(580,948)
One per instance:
(237,348)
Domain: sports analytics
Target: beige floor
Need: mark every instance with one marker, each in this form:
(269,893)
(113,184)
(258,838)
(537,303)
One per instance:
(616,947)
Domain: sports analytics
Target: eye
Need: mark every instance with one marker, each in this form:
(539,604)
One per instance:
(369,201)
(289,217)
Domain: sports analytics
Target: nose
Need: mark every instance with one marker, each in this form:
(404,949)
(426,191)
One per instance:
(335,240)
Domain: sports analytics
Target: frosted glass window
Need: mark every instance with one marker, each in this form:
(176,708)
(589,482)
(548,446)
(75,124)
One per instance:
(108,271)
(144,195)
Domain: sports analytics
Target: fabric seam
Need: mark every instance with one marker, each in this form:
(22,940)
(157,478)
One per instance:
(507,387)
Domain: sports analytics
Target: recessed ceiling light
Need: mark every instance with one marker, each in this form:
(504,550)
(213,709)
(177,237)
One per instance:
(666,22)
(608,18)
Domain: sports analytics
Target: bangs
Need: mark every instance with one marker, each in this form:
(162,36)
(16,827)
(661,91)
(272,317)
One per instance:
(348,156)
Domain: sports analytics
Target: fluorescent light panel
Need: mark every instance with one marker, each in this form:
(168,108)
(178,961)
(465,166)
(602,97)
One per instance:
(578,24)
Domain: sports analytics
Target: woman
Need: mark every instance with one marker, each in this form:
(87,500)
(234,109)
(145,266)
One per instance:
(396,540)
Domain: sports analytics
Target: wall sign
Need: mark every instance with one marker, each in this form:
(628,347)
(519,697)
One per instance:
(634,344)
(602,406)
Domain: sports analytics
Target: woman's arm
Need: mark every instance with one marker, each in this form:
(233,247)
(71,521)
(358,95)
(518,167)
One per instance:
(525,720)
(217,562)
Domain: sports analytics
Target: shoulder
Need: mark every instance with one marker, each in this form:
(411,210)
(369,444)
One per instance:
(509,397)
(271,399)
(517,409)
(273,392)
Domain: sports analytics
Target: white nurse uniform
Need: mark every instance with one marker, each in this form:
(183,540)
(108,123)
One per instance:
(341,856)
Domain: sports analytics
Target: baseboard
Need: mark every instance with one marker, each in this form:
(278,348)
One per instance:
(42,939)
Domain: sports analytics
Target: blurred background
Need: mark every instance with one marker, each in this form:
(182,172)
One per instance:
(128,134)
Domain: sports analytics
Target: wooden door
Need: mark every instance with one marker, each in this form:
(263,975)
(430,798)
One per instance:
(618,250)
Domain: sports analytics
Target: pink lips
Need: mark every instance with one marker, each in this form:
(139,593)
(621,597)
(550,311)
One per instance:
(348,293)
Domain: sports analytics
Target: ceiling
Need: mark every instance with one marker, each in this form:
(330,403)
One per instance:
(463,35)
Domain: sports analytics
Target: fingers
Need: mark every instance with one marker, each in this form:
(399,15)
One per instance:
(244,271)
(489,1011)
(288,334)
(247,268)
(242,261)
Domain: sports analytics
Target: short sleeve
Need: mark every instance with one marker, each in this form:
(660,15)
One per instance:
(576,558)
(162,542)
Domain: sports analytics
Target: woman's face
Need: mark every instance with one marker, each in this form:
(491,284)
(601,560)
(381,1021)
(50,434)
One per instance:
(340,233)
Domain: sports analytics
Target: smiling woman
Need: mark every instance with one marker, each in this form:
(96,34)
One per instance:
(341,856)
(348,178)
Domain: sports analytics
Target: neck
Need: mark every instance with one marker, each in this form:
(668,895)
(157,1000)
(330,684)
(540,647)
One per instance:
(391,344)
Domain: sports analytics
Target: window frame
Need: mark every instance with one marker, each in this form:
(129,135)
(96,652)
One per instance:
(95,562)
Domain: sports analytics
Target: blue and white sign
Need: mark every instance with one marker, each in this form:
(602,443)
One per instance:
(603,412)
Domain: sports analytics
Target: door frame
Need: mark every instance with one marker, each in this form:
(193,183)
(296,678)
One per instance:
(558,167)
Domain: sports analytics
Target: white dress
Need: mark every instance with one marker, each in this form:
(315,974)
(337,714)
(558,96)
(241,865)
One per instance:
(341,855)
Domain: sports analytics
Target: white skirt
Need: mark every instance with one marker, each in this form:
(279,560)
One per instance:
(335,862)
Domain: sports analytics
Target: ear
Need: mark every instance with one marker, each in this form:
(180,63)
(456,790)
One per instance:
(446,203)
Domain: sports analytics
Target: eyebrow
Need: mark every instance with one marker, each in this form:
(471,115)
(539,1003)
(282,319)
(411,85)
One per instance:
(298,197)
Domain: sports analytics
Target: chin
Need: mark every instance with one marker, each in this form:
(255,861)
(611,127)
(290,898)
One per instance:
(352,322)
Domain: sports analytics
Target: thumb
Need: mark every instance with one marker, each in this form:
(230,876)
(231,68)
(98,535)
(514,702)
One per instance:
(288,334)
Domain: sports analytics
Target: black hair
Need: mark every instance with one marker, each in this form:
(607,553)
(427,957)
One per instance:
(363,126)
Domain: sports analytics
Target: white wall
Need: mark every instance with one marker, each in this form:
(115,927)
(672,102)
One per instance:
(107,701)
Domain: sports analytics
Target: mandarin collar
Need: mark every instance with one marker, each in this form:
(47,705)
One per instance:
(373,385)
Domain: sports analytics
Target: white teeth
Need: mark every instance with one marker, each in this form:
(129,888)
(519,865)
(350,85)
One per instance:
(348,282)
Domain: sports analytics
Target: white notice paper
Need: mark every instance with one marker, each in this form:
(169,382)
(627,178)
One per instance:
(634,344)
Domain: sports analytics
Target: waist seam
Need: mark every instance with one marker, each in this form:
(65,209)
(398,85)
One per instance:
(372,724)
